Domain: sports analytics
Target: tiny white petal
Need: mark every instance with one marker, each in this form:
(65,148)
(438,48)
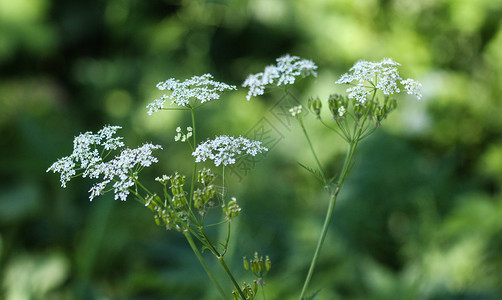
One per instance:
(202,88)
(284,72)
(223,149)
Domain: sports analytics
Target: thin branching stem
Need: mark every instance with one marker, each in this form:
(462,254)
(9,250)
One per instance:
(222,262)
(333,195)
(188,236)
(321,170)
(194,172)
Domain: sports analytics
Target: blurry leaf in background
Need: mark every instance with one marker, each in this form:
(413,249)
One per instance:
(18,203)
(34,276)
(23,28)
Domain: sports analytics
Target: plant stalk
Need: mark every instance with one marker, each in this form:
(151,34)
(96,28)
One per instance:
(347,164)
(204,265)
(332,202)
(223,264)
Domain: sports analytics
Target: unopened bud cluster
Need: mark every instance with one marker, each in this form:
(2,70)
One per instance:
(231,209)
(173,211)
(248,290)
(179,195)
(295,110)
(181,136)
(315,106)
(342,106)
(258,266)
(204,197)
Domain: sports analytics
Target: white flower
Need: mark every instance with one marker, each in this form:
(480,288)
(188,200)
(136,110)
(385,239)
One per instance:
(85,152)
(106,139)
(295,110)
(412,87)
(367,76)
(181,136)
(341,111)
(65,166)
(202,88)
(122,169)
(286,70)
(224,149)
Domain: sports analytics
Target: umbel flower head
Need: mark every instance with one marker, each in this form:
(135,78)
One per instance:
(123,169)
(224,149)
(284,72)
(366,77)
(199,88)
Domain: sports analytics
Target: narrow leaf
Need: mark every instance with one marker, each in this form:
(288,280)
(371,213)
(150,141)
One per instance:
(316,173)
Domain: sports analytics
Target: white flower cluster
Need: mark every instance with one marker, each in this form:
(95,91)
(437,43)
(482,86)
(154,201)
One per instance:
(202,88)
(180,136)
(341,111)
(412,87)
(287,69)
(295,110)
(122,169)
(382,75)
(223,149)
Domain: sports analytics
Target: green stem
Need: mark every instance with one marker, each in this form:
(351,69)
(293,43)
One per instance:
(313,151)
(222,262)
(347,166)
(194,172)
(224,265)
(332,202)
(204,265)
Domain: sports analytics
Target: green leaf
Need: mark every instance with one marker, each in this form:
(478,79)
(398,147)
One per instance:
(316,173)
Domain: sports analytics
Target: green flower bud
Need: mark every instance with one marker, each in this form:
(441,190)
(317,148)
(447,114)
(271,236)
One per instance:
(337,105)
(232,209)
(268,263)
(246,263)
(158,220)
(206,177)
(315,105)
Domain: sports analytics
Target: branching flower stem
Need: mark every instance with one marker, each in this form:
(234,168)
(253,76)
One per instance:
(188,236)
(333,194)
(222,262)
(325,182)
(194,172)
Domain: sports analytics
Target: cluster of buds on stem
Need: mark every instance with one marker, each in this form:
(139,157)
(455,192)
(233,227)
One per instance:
(179,195)
(181,136)
(248,290)
(382,111)
(172,212)
(259,267)
(315,106)
(204,197)
(338,106)
(165,214)
(231,209)
(342,106)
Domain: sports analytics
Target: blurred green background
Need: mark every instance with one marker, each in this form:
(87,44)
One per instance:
(419,218)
